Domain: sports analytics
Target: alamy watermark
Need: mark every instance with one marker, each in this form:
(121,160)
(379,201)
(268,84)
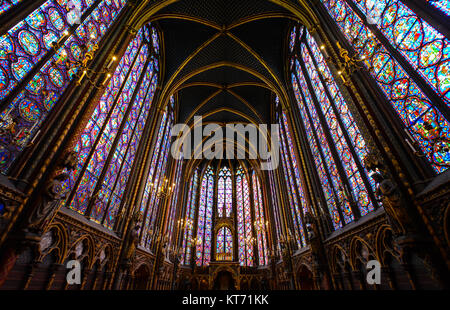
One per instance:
(373,268)
(74,274)
(232,141)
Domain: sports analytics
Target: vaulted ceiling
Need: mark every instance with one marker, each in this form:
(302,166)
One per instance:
(224,58)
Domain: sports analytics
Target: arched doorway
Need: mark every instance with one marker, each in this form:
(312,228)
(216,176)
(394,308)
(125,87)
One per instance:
(305,278)
(224,281)
(142,276)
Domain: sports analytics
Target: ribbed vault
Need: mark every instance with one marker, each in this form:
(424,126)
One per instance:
(224,58)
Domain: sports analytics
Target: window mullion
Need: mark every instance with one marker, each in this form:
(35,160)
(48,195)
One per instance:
(430,14)
(324,161)
(117,137)
(102,129)
(344,131)
(331,144)
(141,111)
(292,190)
(45,58)
(412,73)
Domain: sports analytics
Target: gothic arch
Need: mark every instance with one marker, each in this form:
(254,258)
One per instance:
(356,254)
(58,243)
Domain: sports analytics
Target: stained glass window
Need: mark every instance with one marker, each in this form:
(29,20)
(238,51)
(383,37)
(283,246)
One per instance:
(276,208)
(424,47)
(339,124)
(191,208)
(244,219)
(293,181)
(28,46)
(225,193)
(108,144)
(422,50)
(260,222)
(204,225)
(224,244)
(336,142)
(156,178)
(176,186)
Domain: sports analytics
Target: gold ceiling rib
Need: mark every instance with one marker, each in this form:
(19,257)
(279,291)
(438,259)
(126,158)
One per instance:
(300,11)
(145,12)
(186,17)
(164,95)
(233,111)
(220,64)
(253,18)
(199,84)
(246,103)
(216,85)
(262,62)
(215,94)
(249,119)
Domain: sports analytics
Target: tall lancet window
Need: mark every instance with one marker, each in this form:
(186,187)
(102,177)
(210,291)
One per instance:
(204,224)
(36,57)
(224,247)
(189,218)
(336,142)
(260,222)
(409,60)
(296,194)
(276,206)
(176,188)
(108,144)
(244,219)
(225,193)
(156,178)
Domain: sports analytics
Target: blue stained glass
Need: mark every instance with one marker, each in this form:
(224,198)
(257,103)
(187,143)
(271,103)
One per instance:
(204,225)
(20,50)
(225,193)
(100,153)
(189,219)
(326,186)
(244,219)
(116,121)
(427,50)
(260,222)
(426,125)
(293,190)
(359,191)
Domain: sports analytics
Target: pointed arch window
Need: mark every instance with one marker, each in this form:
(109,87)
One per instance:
(27,48)
(410,61)
(244,219)
(336,142)
(225,193)
(191,208)
(156,177)
(108,144)
(260,222)
(174,202)
(276,207)
(224,244)
(204,225)
(293,181)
